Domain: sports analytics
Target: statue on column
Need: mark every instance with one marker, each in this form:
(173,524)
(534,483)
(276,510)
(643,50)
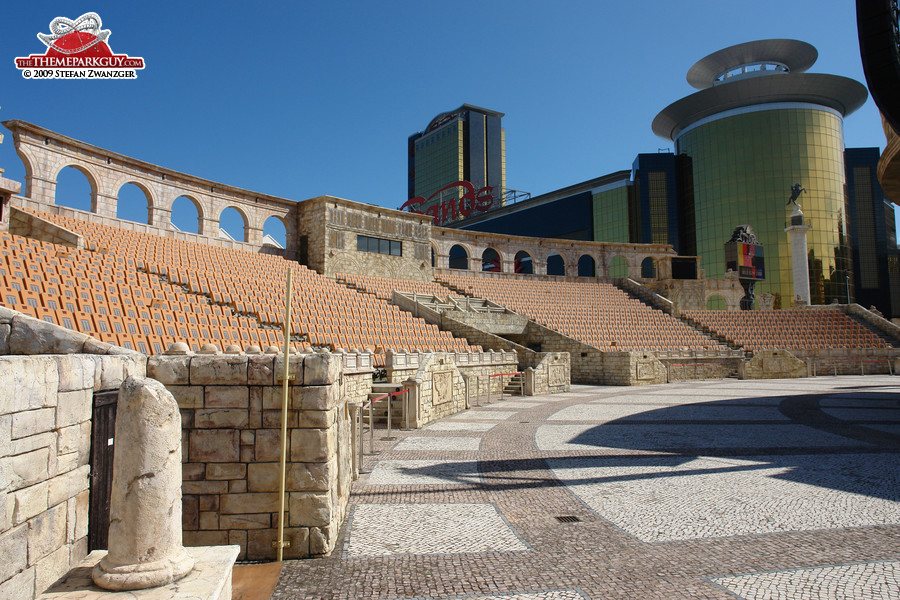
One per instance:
(796,190)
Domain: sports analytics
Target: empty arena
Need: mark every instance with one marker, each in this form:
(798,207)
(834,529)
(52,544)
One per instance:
(447,323)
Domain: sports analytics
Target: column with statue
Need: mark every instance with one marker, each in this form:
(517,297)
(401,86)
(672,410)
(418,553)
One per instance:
(796,231)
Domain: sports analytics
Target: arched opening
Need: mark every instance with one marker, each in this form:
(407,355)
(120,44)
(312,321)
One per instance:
(618,267)
(274,232)
(432,258)
(133,203)
(232,225)
(648,268)
(459,258)
(524,263)
(716,302)
(586,266)
(75,189)
(185,215)
(490,261)
(556,265)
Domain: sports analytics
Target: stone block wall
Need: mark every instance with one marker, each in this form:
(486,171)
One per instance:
(331,226)
(633,368)
(45,440)
(231,419)
(773,364)
(685,369)
(586,362)
(552,374)
(443,382)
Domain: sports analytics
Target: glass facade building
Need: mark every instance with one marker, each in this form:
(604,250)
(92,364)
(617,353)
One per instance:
(872,233)
(759,125)
(749,183)
(467,144)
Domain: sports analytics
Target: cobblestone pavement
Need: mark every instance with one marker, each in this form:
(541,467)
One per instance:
(724,489)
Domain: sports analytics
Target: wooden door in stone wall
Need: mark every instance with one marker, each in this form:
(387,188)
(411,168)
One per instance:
(103,429)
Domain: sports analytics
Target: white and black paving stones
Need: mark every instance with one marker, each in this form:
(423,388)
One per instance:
(396,529)
(717,490)
(446,425)
(875,581)
(457,443)
(424,472)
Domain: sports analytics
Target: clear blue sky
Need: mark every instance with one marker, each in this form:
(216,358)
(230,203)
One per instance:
(309,98)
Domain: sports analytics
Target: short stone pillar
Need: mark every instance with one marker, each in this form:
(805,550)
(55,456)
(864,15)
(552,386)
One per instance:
(145,543)
(529,381)
(412,386)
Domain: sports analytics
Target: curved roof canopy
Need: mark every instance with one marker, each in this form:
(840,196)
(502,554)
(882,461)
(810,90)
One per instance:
(842,94)
(794,55)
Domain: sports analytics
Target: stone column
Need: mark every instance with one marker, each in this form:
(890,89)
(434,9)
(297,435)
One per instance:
(159,216)
(145,543)
(105,204)
(40,189)
(209,227)
(8,187)
(254,236)
(799,261)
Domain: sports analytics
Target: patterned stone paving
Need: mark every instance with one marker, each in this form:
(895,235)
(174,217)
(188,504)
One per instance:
(879,580)
(424,472)
(489,415)
(673,498)
(446,425)
(397,529)
(440,443)
(716,489)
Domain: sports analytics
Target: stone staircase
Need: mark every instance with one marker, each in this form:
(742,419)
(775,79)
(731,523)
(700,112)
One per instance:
(515,386)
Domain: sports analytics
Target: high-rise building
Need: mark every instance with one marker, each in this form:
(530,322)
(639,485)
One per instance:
(876,260)
(759,125)
(463,145)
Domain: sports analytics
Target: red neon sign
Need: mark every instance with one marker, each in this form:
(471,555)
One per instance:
(449,210)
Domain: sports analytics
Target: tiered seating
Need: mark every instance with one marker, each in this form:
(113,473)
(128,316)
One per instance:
(796,329)
(596,313)
(143,291)
(382,287)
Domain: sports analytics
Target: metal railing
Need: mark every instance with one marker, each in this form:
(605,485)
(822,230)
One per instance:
(366,410)
(478,379)
(813,364)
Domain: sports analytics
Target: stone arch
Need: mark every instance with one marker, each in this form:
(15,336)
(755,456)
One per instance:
(618,266)
(491,261)
(180,213)
(29,170)
(648,268)
(275,228)
(587,266)
(92,183)
(127,210)
(716,302)
(234,217)
(556,264)
(458,257)
(524,263)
